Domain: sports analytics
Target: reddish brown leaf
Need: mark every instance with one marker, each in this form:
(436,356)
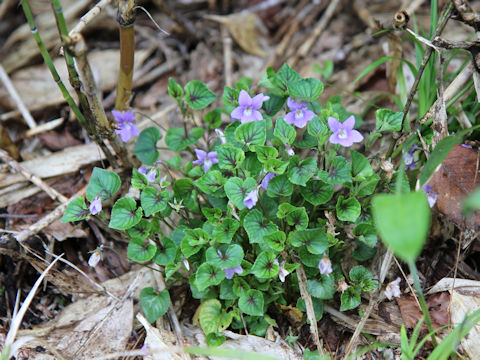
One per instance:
(437,305)
(456,178)
(56,141)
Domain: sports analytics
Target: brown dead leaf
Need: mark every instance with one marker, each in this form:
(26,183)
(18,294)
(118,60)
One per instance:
(437,305)
(456,178)
(55,141)
(243,29)
(61,231)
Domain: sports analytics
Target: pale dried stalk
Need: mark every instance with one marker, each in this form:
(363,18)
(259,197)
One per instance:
(307,45)
(302,283)
(5,79)
(45,127)
(227,54)
(89,16)
(54,194)
(34,229)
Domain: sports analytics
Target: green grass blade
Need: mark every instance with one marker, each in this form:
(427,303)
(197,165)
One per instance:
(382,60)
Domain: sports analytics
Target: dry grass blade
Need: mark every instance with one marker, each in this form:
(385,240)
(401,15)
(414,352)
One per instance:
(9,346)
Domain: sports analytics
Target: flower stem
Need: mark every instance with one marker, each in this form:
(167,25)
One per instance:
(421,299)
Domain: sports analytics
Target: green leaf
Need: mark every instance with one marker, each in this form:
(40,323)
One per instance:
(300,172)
(189,249)
(309,259)
(317,128)
(348,210)
(197,95)
(208,275)
(275,240)
(183,188)
(240,286)
(275,166)
(146,146)
(212,317)
(362,251)
(339,172)
(140,231)
(232,256)
(285,75)
(470,203)
(317,192)
(224,233)
(153,201)
(305,89)
(279,186)
(285,209)
(251,133)
(251,302)
(350,299)
(226,290)
(264,266)
(213,119)
(273,105)
(214,340)
(229,157)
(307,141)
(237,190)
(359,274)
(265,153)
(166,252)
(175,162)
(211,183)
(298,218)
(230,96)
(154,304)
(366,233)
(402,221)
(104,183)
(139,181)
(174,89)
(177,141)
(125,214)
(76,210)
(284,131)
(367,186)
(257,226)
(140,250)
(361,168)
(388,120)
(324,289)
(315,240)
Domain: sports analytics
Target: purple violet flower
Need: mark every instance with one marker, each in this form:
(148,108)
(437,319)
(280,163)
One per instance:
(251,200)
(466,146)
(299,114)
(343,133)
(266,180)
(96,205)
(126,127)
(232,271)
(150,175)
(432,196)
(205,159)
(248,107)
(325,265)
(408,159)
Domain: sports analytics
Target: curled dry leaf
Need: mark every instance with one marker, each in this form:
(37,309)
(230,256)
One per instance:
(243,28)
(456,178)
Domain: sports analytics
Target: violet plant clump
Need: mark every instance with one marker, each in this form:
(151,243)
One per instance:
(245,202)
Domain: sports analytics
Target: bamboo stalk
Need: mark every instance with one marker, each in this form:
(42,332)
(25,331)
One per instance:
(49,62)
(126,20)
(79,50)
